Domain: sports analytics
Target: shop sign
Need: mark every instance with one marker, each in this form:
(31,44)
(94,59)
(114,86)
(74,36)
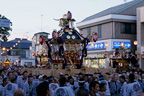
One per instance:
(95,46)
(117,44)
(4,23)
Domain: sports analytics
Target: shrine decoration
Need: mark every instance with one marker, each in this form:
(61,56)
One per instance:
(70,43)
(41,40)
(94,37)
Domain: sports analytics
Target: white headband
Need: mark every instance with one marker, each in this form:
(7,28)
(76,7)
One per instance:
(81,81)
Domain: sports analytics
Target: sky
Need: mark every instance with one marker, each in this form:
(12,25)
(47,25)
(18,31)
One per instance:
(26,15)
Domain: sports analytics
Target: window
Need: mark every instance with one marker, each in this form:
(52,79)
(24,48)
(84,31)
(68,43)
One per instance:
(23,53)
(99,31)
(128,28)
(13,53)
(89,31)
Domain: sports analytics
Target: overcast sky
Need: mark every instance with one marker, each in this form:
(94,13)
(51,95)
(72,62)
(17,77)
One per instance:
(26,14)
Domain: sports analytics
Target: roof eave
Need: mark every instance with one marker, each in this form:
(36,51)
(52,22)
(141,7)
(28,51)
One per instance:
(107,18)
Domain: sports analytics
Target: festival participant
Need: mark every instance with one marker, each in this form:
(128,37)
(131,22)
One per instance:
(81,91)
(43,89)
(5,82)
(22,80)
(63,90)
(71,83)
(115,85)
(15,73)
(40,77)
(34,85)
(34,77)
(1,76)
(94,88)
(90,79)
(5,72)
(133,87)
(51,79)
(19,92)
(103,88)
(28,85)
(53,87)
(9,75)
(101,80)
(124,85)
(11,87)
(142,80)
(45,78)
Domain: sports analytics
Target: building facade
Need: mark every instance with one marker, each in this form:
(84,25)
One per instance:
(117,23)
(140,35)
(16,50)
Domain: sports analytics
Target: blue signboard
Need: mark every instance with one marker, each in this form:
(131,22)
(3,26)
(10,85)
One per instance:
(94,46)
(117,44)
(4,23)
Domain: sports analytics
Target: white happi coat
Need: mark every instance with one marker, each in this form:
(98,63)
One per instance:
(133,89)
(9,89)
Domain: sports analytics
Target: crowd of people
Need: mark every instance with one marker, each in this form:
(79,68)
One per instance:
(124,83)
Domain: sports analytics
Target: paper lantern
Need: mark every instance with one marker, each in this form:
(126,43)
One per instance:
(92,44)
(33,54)
(135,42)
(106,44)
(122,44)
(3,48)
(105,55)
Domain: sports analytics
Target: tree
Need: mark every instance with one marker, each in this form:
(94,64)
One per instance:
(4,31)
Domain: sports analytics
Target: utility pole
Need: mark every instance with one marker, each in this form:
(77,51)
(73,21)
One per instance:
(41,23)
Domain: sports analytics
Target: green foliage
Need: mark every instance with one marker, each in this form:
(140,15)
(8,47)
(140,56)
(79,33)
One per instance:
(4,31)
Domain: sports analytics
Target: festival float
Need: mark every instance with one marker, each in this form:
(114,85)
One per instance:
(67,47)
(6,63)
